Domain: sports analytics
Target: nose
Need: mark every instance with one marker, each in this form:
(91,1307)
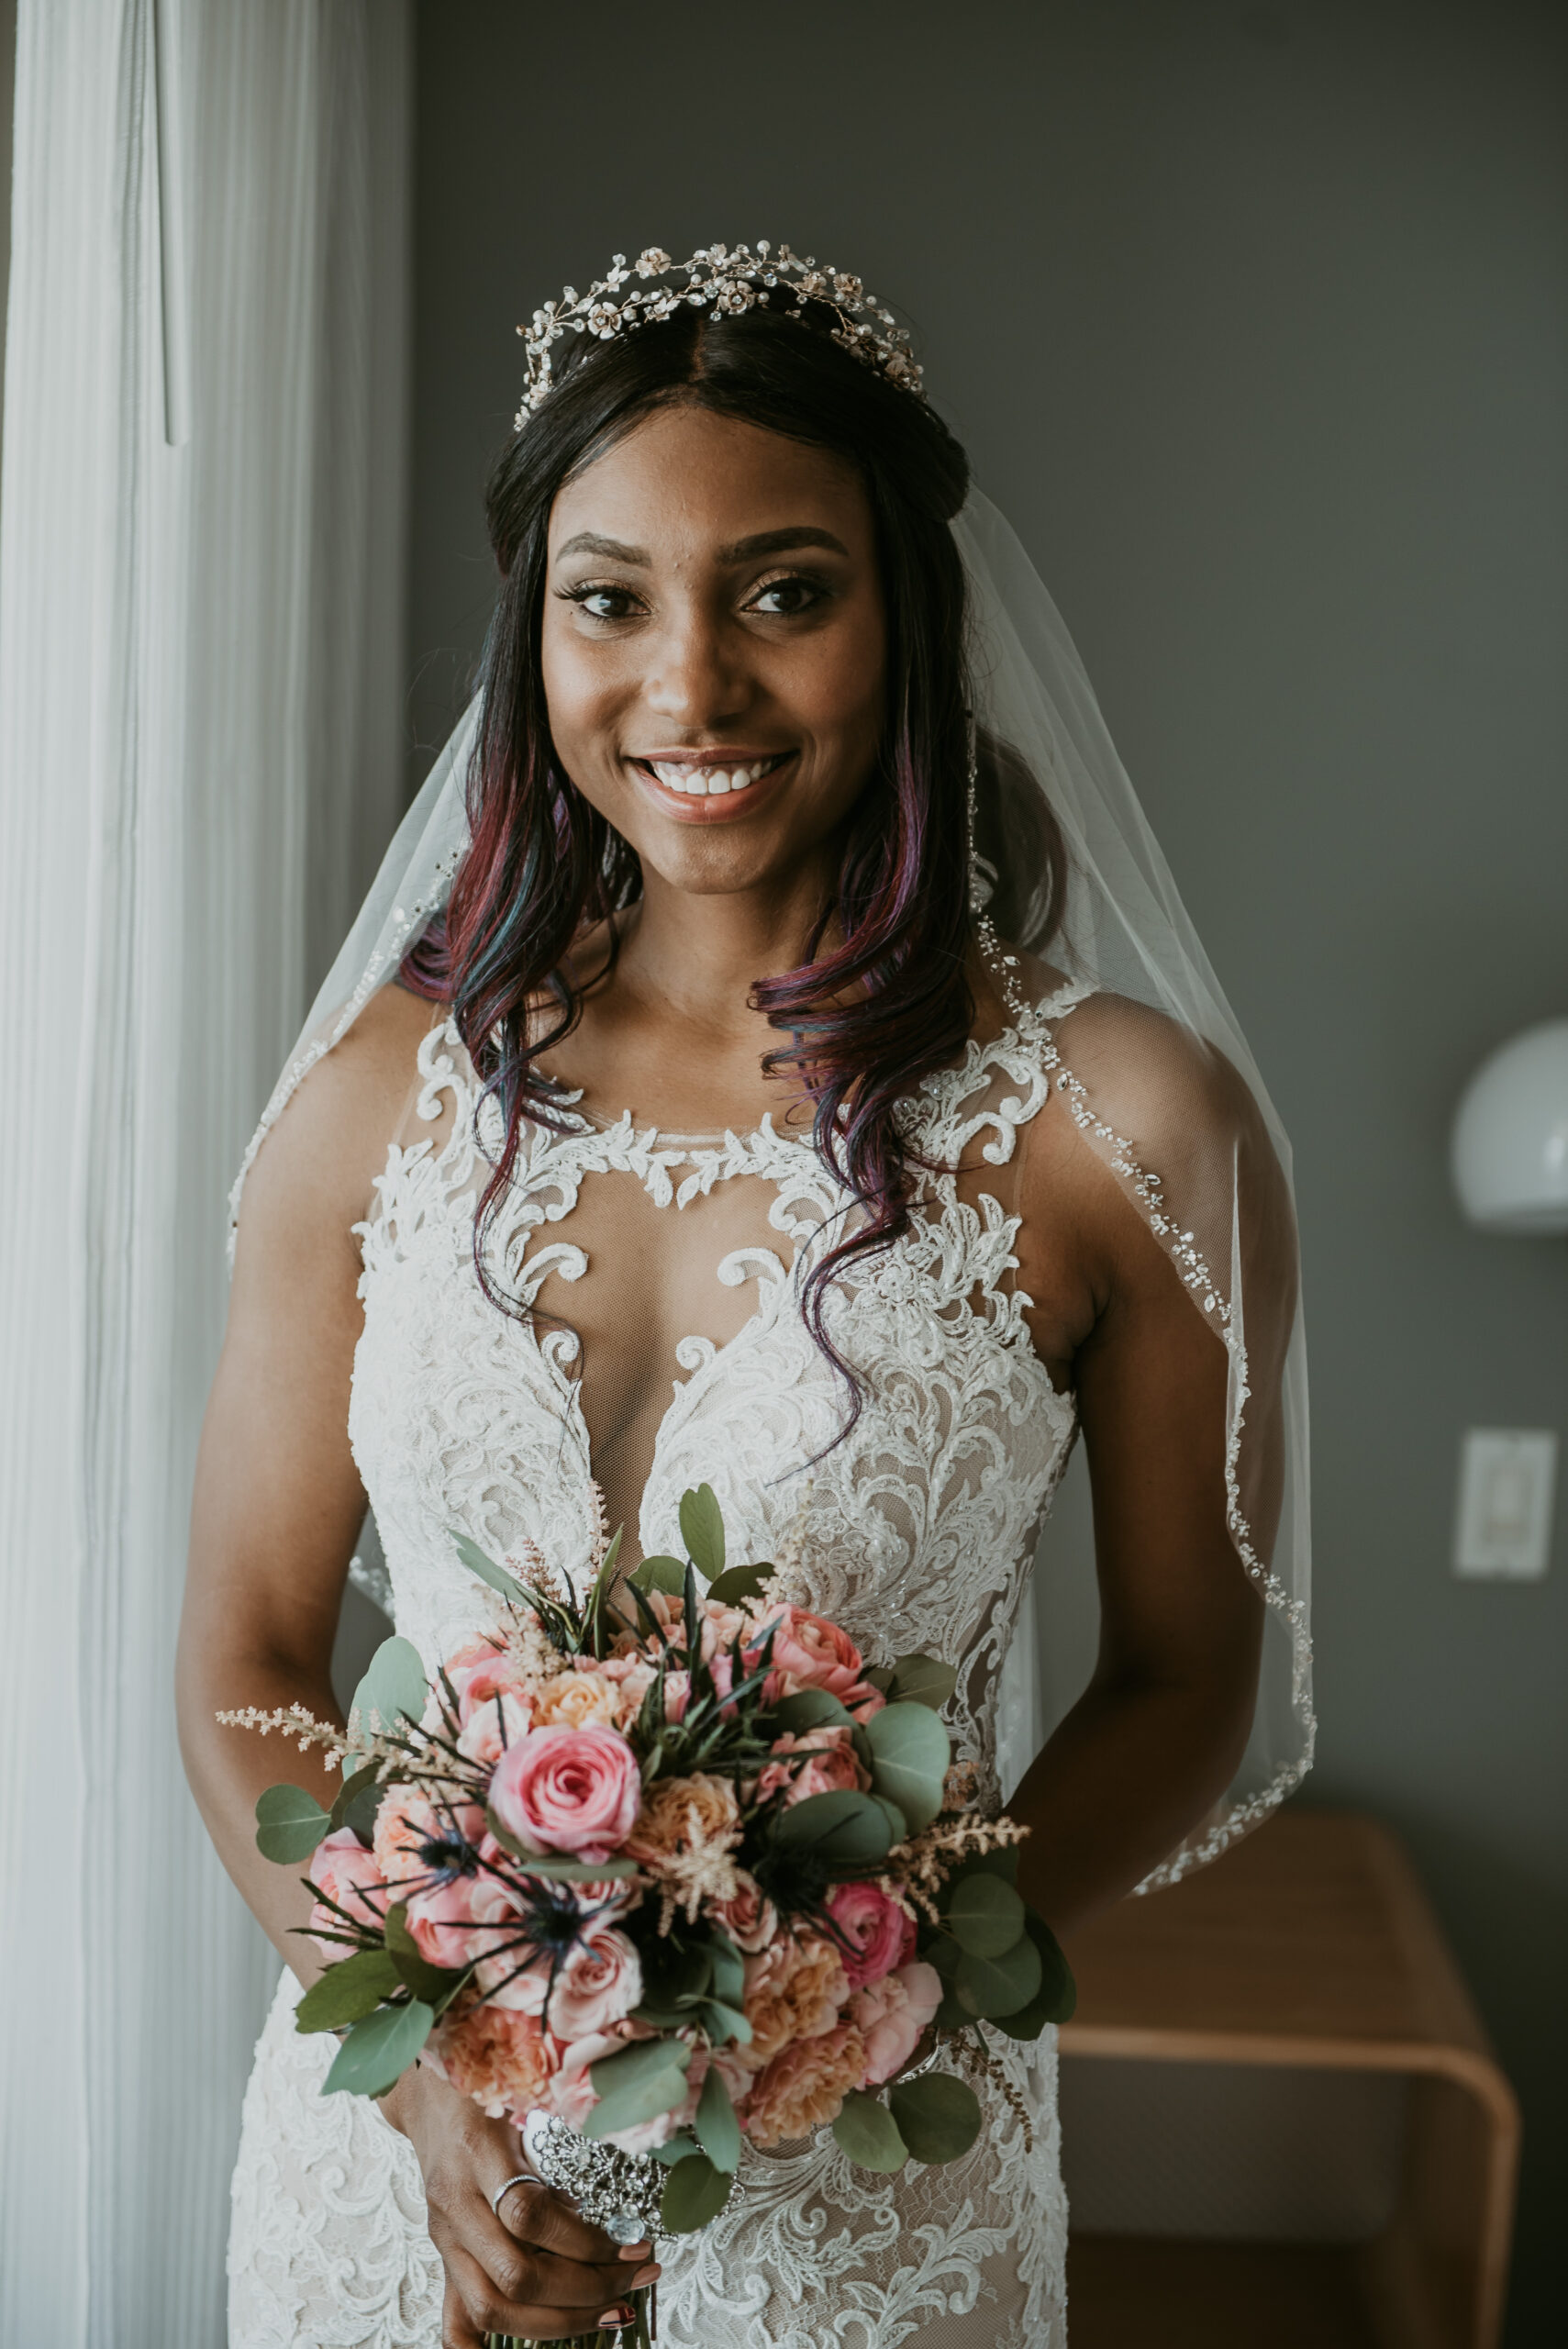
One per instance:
(697,679)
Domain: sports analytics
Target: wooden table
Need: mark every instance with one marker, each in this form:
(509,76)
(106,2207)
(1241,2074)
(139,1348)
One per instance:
(1310,1946)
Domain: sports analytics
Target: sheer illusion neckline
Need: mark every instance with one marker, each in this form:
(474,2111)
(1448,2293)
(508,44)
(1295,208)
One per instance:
(961,1074)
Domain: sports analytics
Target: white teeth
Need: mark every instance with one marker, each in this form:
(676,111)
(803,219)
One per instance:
(708,783)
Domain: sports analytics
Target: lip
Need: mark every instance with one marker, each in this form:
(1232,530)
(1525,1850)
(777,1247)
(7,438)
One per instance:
(689,808)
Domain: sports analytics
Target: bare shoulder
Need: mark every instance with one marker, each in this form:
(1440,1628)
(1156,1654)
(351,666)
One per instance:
(315,1171)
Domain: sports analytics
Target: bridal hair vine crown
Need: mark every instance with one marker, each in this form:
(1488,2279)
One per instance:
(727,282)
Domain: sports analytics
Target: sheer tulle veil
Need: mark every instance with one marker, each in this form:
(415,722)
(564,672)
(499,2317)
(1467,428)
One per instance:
(1156,1072)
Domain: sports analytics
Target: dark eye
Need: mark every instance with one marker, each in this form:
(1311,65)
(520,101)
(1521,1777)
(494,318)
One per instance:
(785,598)
(604,603)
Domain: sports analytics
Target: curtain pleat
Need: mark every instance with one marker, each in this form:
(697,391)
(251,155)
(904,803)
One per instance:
(200,685)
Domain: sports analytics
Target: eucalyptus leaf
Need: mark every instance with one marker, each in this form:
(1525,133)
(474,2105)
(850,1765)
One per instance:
(897,1825)
(659,1574)
(702,1530)
(810,1709)
(392,1689)
(841,1826)
(728,1972)
(868,2133)
(637,2084)
(921,1680)
(289,1824)
(724,2023)
(985,1916)
(675,2149)
(937,2116)
(352,1788)
(555,1865)
(1057,1996)
(879,1677)
(989,1987)
(354,1986)
(474,1559)
(910,1756)
(718,2131)
(737,1584)
(694,2192)
(380,2049)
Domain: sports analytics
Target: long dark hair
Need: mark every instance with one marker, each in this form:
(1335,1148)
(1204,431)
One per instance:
(865,1021)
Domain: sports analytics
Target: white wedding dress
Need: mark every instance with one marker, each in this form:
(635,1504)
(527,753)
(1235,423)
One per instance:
(916,1532)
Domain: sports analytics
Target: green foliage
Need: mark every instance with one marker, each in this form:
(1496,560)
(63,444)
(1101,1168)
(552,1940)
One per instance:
(694,2192)
(1057,1995)
(289,1824)
(737,1583)
(717,2127)
(354,1986)
(637,2084)
(379,2049)
(809,1708)
(985,1916)
(843,1827)
(937,2116)
(392,1689)
(869,2134)
(435,1984)
(659,1574)
(990,1986)
(555,1865)
(474,1559)
(702,1530)
(910,1760)
(921,1680)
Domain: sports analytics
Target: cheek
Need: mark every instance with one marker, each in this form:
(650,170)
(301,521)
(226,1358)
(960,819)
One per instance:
(580,689)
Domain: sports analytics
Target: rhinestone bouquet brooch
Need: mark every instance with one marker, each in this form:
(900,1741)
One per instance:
(659,1871)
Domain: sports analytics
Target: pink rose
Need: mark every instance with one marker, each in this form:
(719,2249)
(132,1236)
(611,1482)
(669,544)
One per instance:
(597,1984)
(342,1869)
(810,1652)
(876,1933)
(834,1764)
(572,1790)
(747,1917)
(500,1721)
(891,2015)
(721,1627)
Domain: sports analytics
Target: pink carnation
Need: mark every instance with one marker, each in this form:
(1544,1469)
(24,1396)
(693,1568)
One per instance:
(878,1933)
(498,2057)
(834,1764)
(891,2015)
(342,1869)
(572,1790)
(805,2085)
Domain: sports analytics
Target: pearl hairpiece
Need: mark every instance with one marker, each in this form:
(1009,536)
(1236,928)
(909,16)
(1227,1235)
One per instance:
(728,282)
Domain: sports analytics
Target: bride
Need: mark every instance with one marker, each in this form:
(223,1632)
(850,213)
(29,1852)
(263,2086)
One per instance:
(775,1053)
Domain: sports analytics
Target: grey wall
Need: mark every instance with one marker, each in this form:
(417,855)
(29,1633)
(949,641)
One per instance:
(1253,318)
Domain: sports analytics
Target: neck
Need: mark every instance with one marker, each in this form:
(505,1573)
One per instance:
(700,956)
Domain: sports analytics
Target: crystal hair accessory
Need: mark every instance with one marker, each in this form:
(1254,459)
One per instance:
(726,281)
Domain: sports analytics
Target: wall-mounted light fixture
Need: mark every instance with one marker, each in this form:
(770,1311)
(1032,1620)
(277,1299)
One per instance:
(1509,1152)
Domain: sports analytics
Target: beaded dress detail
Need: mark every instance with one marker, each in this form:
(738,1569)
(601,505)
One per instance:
(916,1531)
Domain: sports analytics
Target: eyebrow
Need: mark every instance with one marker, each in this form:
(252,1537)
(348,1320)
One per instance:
(743,550)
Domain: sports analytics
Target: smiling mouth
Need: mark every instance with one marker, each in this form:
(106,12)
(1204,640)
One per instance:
(706,778)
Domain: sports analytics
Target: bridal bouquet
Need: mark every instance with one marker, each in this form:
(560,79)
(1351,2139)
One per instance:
(651,1883)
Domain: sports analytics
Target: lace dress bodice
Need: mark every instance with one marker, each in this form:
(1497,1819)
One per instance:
(915,1531)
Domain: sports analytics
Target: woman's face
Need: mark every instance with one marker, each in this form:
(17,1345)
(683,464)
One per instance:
(714,647)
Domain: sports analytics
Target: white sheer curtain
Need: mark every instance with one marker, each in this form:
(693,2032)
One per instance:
(201,558)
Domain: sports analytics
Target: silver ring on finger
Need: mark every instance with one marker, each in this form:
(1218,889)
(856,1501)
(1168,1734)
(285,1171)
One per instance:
(520,2177)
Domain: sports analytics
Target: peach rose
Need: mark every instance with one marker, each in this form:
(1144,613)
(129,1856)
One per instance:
(412,1832)
(891,2015)
(747,1917)
(810,1652)
(880,1934)
(572,1790)
(794,1989)
(834,1764)
(496,2055)
(342,1869)
(597,1983)
(577,1699)
(804,2085)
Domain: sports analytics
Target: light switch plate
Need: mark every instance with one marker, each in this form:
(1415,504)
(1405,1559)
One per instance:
(1506,1479)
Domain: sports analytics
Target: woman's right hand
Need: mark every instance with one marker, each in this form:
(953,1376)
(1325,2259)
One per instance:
(544,2274)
